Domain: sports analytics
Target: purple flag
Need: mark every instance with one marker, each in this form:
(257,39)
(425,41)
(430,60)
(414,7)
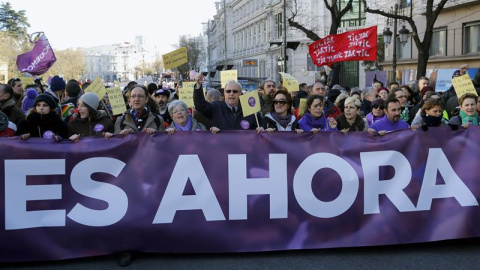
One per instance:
(38,60)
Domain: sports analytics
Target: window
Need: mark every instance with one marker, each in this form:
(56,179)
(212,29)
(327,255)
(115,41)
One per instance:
(279,25)
(471,33)
(405,3)
(439,42)
(404,51)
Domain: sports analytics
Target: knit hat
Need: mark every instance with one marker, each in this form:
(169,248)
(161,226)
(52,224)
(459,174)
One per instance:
(383,88)
(47,98)
(27,102)
(426,89)
(57,84)
(3,121)
(91,100)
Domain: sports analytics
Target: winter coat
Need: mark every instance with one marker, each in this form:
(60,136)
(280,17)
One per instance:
(88,127)
(14,113)
(270,122)
(126,120)
(36,124)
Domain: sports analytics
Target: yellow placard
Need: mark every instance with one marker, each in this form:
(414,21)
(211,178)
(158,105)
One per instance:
(302,108)
(26,81)
(175,58)
(463,85)
(117,83)
(116,100)
(186,95)
(250,103)
(289,82)
(188,85)
(97,88)
(228,75)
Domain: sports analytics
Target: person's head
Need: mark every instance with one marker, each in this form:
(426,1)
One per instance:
(44,104)
(340,101)
(162,96)
(352,106)
(30,96)
(422,82)
(282,102)
(408,91)
(17,85)
(432,107)
(434,95)
(88,105)
(178,110)
(356,93)
(425,90)
(394,85)
(478,105)
(400,95)
(468,104)
(303,87)
(456,73)
(269,87)
(6,92)
(370,94)
(393,109)
(138,98)
(383,93)
(232,91)
(57,85)
(213,95)
(319,89)
(378,107)
(315,104)
(73,89)
(152,87)
(377,84)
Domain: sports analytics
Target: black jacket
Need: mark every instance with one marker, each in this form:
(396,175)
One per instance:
(36,124)
(90,127)
(220,114)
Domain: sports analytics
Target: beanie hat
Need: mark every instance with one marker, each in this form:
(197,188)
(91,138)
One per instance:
(57,84)
(3,121)
(383,88)
(47,98)
(27,102)
(90,99)
(426,89)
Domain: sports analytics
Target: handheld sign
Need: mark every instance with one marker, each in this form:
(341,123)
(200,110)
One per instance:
(186,93)
(228,75)
(463,85)
(250,103)
(116,100)
(26,80)
(302,108)
(175,58)
(289,82)
(97,88)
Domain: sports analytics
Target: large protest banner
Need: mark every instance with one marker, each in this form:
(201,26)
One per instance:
(349,46)
(218,193)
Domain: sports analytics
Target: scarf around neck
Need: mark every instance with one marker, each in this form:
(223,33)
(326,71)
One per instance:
(469,119)
(187,127)
(282,120)
(320,122)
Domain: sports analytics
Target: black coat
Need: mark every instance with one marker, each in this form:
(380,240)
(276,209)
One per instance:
(86,127)
(220,114)
(36,124)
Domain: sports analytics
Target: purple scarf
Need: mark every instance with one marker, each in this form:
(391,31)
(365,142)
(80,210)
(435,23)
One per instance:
(188,127)
(282,120)
(320,122)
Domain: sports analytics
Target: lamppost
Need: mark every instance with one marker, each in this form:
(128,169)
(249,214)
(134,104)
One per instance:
(387,38)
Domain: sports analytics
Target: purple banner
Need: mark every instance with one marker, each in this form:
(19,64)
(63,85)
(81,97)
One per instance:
(38,60)
(236,191)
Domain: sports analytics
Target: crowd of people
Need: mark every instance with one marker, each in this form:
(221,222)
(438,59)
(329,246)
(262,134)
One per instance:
(63,110)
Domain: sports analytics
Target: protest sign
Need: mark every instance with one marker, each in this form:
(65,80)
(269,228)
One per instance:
(97,88)
(463,85)
(26,80)
(175,58)
(289,82)
(349,46)
(302,107)
(250,103)
(228,75)
(186,94)
(116,100)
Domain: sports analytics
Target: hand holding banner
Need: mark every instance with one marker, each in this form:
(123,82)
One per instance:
(463,85)
(228,75)
(175,58)
(289,82)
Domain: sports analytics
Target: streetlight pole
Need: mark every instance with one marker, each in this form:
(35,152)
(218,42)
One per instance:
(394,62)
(285,36)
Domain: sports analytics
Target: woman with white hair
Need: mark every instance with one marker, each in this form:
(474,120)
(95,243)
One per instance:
(350,120)
(182,120)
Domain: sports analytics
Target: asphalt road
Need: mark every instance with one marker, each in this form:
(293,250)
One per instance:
(454,254)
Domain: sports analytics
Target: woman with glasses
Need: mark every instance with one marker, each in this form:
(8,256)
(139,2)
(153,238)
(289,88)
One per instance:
(377,112)
(280,116)
(314,119)
(182,120)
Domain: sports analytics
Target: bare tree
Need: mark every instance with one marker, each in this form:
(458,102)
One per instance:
(195,55)
(423,47)
(70,63)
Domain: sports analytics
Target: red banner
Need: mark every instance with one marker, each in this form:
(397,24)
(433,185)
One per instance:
(349,46)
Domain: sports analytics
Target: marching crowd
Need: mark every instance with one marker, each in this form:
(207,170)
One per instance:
(64,111)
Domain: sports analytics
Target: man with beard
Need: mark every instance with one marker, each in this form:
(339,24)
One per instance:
(392,120)
(266,99)
(7,105)
(162,97)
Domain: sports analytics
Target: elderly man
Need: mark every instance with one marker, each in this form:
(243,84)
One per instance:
(7,105)
(266,99)
(139,117)
(224,115)
(369,94)
(392,120)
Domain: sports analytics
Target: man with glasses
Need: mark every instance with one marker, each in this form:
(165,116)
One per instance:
(224,115)
(138,117)
(269,89)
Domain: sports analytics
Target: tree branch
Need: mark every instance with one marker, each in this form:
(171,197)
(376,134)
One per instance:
(310,34)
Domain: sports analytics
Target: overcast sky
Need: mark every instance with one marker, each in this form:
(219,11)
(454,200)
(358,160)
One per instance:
(88,23)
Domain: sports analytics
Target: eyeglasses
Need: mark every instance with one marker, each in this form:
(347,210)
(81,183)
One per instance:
(230,91)
(381,107)
(137,96)
(319,105)
(178,111)
(280,101)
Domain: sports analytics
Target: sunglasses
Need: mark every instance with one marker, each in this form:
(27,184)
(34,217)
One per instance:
(231,91)
(280,101)
(381,107)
